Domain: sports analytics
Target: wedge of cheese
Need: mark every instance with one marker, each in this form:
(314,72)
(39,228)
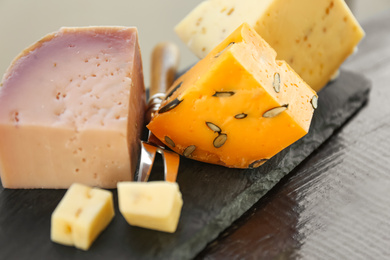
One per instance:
(82,214)
(71,110)
(314,37)
(237,107)
(153,205)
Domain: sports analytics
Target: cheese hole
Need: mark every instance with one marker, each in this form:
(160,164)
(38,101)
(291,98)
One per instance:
(16,116)
(78,212)
(77,170)
(84,160)
(199,21)
(68,229)
(230,11)
(59,112)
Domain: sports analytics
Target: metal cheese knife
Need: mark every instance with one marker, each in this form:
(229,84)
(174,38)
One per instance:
(164,63)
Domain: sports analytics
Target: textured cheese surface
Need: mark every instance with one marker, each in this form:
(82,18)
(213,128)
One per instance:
(221,113)
(82,214)
(314,37)
(154,205)
(71,110)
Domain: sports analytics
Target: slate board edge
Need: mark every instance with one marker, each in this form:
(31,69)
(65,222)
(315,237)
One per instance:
(256,191)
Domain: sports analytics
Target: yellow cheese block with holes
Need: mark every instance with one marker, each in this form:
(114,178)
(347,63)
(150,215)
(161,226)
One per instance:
(153,205)
(82,214)
(314,37)
(237,107)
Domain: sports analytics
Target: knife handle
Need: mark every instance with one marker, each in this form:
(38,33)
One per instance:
(164,63)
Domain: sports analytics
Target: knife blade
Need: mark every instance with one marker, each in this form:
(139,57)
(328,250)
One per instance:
(164,63)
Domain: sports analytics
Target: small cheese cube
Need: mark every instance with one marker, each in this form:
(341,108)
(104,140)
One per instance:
(154,205)
(82,214)
(237,107)
(71,110)
(314,37)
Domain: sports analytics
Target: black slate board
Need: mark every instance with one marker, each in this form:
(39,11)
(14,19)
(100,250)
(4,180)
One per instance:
(213,196)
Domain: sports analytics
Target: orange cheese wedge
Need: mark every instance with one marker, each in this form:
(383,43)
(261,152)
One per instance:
(237,107)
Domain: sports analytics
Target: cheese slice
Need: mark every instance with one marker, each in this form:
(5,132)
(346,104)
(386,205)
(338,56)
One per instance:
(71,110)
(82,214)
(153,205)
(314,37)
(237,107)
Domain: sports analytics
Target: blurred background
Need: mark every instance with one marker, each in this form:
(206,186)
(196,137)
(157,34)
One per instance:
(23,22)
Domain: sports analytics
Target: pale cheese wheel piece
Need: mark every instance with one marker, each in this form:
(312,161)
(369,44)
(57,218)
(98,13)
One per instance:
(71,110)
(314,37)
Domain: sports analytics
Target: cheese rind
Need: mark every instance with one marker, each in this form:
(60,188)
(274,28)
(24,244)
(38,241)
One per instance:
(82,214)
(225,107)
(153,205)
(314,37)
(71,110)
